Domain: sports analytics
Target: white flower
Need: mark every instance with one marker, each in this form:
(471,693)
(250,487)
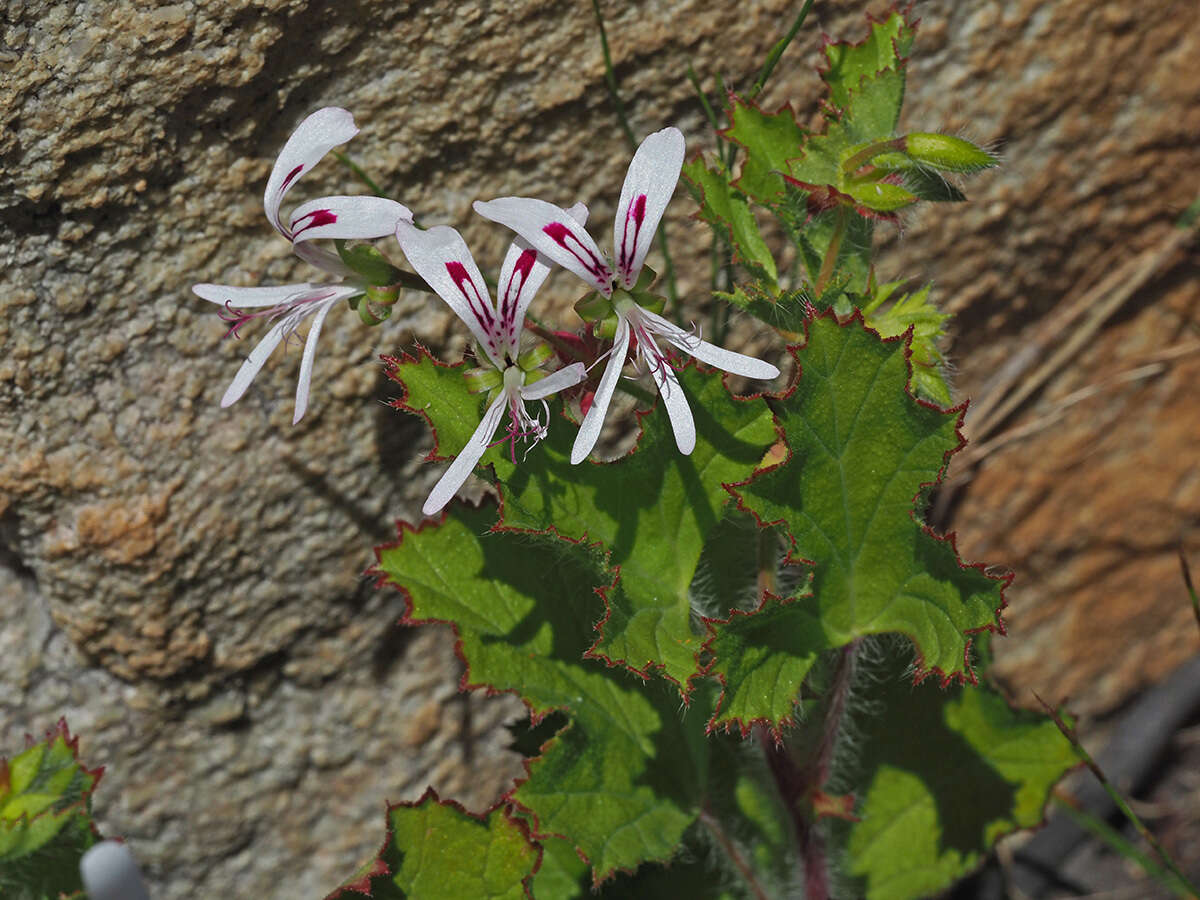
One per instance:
(555,234)
(326,217)
(440,256)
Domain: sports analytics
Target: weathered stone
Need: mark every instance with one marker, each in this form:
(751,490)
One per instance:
(174,563)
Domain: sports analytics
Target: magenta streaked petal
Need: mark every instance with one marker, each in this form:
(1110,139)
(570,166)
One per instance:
(521,274)
(306,361)
(676,405)
(726,360)
(649,184)
(347,218)
(589,431)
(253,297)
(452,479)
(312,139)
(554,233)
(440,256)
(566,377)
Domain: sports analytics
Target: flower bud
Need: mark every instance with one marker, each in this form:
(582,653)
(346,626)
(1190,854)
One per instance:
(945,151)
(882,196)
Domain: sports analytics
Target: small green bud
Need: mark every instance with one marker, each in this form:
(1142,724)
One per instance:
(383,295)
(534,356)
(483,378)
(882,196)
(367,262)
(372,313)
(945,151)
(593,306)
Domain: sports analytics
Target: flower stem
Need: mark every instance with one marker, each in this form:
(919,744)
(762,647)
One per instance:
(831,253)
(868,153)
(735,856)
(360,174)
(777,51)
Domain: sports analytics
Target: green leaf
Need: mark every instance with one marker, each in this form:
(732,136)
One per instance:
(436,850)
(652,510)
(861,451)
(944,773)
(770,140)
(563,874)
(893,317)
(886,47)
(728,212)
(621,781)
(787,312)
(45,817)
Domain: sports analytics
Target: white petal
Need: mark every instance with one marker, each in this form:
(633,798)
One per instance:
(677,407)
(347,218)
(452,479)
(728,360)
(252,297)
(554,233)
(555,382)
(312,139)
(109,872)
(648,187)
(253,364)
(589,431)
(325,260)
(306,361)
(578,212)
(440,256)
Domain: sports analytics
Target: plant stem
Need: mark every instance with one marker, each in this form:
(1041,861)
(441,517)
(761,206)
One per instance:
(1115,796)
(710,822)
(797,783)
(866,154)
(831,254)
(777,51)
(360,174)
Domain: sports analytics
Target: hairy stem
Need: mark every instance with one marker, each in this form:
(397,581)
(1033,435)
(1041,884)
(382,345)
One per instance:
(735,856)
(831,253)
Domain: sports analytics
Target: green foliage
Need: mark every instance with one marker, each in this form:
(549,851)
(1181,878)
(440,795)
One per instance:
(622,778)
(437,851)
(942,774)
(45,818)
(728,211)
(861,450)
(916,311)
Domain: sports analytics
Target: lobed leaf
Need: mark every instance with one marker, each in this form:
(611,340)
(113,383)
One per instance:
(944,773)
(892,316)
(45,817)
(862,450)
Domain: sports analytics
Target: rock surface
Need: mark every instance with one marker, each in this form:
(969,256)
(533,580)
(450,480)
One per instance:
(184,582)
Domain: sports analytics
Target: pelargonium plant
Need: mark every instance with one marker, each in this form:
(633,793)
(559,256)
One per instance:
(751,667)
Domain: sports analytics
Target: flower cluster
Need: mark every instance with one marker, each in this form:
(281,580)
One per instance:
(619,300)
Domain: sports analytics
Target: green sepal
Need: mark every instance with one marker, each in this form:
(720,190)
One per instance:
(645,279)
(368,263)
(646,300)
(483,378)
(533,358)
(881,196)
(593,307)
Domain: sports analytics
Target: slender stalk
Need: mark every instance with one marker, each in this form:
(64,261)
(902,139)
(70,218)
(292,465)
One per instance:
(735,856)
(777,51)
(413,281)
(1139,826)
(866,154)
(829,263)
(360,174)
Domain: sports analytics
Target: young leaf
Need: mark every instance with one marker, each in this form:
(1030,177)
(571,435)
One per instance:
(944,773)
(652,511)
(862,449)
(436,850)
(770,140)
(45,817)
(917,311)
(849,64)
(728,212)
(621,781)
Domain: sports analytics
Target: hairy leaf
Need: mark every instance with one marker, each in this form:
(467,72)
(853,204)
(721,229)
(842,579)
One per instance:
(728,212)
(45,817)
(651,510)
(621,780)
(770,140)
(943,774)
(861,451)
(886,47)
